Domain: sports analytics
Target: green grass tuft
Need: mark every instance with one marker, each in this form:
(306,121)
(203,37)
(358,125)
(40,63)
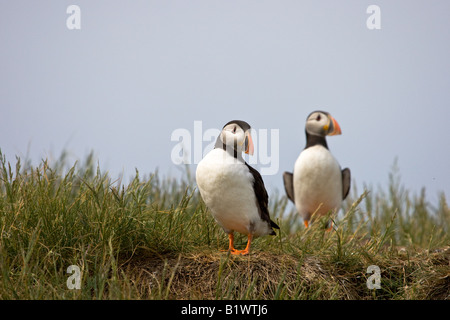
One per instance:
(155,239)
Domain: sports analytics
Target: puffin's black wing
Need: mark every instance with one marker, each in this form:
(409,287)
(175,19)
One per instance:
(262,197)
(288,179)
(345,182)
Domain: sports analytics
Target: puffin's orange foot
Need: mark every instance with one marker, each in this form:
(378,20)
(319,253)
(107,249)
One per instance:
(240,252)
(244,252)
(232,251)
(330,228)
(231,248)
(306,223)
(247,248)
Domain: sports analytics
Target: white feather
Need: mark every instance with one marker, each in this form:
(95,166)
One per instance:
(317,182)
(226,186)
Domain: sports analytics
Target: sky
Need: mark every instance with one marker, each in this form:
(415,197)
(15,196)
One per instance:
(134,81)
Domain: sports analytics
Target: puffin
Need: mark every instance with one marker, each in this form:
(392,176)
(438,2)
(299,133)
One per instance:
(233,190)
(318,185)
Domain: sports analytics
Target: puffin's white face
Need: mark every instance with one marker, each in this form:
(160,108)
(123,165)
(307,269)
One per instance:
(233,136)
(321,123)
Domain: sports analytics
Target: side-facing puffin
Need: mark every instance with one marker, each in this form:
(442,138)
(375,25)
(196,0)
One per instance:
(233,190)
(318,184)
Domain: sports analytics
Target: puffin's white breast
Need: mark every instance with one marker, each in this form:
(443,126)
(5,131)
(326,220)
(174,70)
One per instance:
(317,181)
(226,186)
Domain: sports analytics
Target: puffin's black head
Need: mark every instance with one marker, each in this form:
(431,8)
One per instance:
(244,125)
(236,135)
(321,123)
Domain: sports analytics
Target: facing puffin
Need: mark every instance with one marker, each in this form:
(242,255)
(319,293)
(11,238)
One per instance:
(233,190)
(318,184)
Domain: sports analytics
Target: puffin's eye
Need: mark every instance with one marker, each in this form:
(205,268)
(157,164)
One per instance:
(234,129)
(318,117)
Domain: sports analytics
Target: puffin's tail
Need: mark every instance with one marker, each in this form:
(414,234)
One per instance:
(273,225)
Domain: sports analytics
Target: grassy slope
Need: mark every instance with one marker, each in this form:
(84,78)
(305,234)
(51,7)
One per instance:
(154,239)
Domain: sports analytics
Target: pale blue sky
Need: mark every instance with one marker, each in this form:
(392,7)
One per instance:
(138,70)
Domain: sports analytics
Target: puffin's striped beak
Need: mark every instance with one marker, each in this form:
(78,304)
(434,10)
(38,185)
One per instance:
(335,128)
(249,144)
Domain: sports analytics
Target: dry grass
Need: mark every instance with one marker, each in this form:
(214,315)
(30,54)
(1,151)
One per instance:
(268,275)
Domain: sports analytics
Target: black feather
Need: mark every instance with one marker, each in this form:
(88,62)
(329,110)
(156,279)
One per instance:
(288,179)
(262,197)
(313,140)
(346,180)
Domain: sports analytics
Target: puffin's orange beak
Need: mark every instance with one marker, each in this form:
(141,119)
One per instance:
(249,144)
(336,129)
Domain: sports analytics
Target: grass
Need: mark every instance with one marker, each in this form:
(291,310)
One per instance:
(155,239)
